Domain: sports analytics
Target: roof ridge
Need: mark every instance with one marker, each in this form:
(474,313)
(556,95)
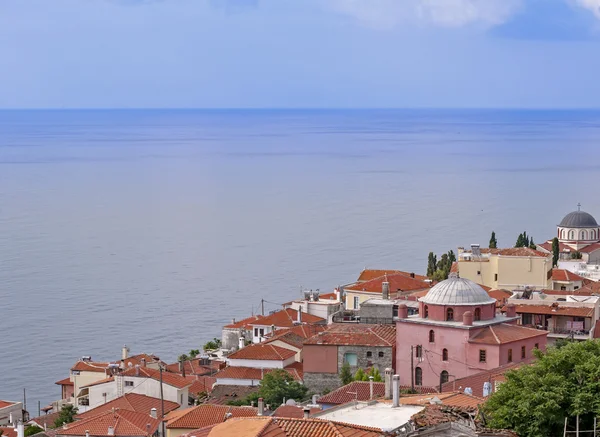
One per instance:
(268,422)
(371,329)
(494,334)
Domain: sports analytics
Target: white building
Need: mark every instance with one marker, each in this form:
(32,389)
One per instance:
(10,412)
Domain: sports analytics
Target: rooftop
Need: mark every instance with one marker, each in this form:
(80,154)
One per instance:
(46,421)
(221,394)
(555,309)
(244,323)
(354,334)
(360,390)
(240,372)
(124,423)
(453,399)
(66,381)
(262,351)
(205,415)
(398,282)
(457,291)
(511,251)
(287,318)
(578,219)
(4,404)
(476,381)
(172,379)
(368,274)
(562,275)
(458,324)
(131,402)
(293,411)
(505,333)
(8,431)
(90,366)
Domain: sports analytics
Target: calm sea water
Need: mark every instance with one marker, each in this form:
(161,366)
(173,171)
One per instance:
(155,228)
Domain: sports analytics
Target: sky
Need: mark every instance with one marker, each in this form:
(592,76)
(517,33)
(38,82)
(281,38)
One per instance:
(299,53)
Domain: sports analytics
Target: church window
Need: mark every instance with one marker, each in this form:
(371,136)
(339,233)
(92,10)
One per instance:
(431,336)
(450,314)
(444,377)
(444,354)
(571,235)
(425,311)
(562,234)
(418,376)
(477,315)
(583,235)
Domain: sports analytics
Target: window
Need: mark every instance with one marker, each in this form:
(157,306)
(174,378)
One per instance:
(562,234)
(449,314)
(74,372)
(576,287)
(482,356)
(571,235)
(425,311)
(355,302)
(477,314)
(537,346)
(419,351)
(523,352)
(431,336)
(496,277)
(563,288)
(380,354)
(369,354)
(128,383)
(479,272)
(510,355)
(444,377)
(445,355)
(583,235)
(418,376)
(351,359)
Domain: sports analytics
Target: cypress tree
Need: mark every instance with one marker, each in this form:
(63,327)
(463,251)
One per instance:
(555,251)
(493,241)
(431,264)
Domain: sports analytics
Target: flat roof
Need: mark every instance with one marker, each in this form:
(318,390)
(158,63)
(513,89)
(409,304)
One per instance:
(374,414)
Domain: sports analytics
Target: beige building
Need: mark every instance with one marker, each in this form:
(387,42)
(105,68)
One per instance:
(508,269)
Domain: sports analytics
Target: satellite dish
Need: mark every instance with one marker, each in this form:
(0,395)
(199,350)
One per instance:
(290,402)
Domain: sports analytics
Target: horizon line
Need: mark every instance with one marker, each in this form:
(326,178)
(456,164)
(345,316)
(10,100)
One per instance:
(309,108)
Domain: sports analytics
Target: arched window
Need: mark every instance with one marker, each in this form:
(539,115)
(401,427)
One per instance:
(449,314)
(444,377)
(477,314)
(583,235)
(431,336)
(592,234)
(444,354)
(425,312)
(418,376)
(571,235)
(563,234)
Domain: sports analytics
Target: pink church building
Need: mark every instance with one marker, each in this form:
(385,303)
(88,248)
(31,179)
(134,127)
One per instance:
(457,333)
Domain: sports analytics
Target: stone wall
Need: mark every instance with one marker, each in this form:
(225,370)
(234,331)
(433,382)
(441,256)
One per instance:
(321,382)
(363,361)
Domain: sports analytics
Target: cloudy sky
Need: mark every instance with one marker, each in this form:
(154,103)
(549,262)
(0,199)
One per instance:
(299,53)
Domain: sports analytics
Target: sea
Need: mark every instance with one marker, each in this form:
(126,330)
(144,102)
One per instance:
(154,228)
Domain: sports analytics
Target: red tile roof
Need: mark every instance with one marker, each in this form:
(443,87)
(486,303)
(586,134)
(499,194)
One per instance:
(90,366)
(286,319)
(565,276)
(46,421)
(139,359)
(500,296)
(362,389)
(304,331)
(262,351)
(4,404)
(288,338)
(356,335)
(476,381)
(368,274)
(292,411)
(453,399)
(454,267)
(99,382)
(8,432)
(505,333)
(555,309)
(514,251)
(296,370)
(244,323)
(205,415)
(193,367)
(66,381)
(202,384)
(562,247)
(221,394)
(284,427)
(399,282)
(168,378)
(131,402)
(124,422)
(591,248)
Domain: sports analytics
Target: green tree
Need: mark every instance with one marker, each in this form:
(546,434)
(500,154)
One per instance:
(278,385)
(431,264)
(32,429)
(576,255)
(67,415)
(374,372)
(215,343)
(493,241)
(360,375)
(194,353)
(532,244)
(535,399)
(451,257)
(345,374)
(555,251)
(183,357)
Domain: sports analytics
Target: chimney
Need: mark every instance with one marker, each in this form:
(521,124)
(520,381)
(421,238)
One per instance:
(475,249)
(370,387)
(10,418)
(396,391)
(153,413)
(111,430)
(124,352)
(388,383)
(241,343)
(87,433)
(412,275)
(402,311)
(306,412)
(300,314)
(511,310)
(233,321)
(137,370)
(314,399)
(385,290)
(20,429)
(261,407)
(468,318)
(143,362)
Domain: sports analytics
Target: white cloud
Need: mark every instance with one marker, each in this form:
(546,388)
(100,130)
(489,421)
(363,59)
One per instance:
(592,5)
(445,13)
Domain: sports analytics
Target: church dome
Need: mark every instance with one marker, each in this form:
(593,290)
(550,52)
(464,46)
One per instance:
(457,291)
(578,219)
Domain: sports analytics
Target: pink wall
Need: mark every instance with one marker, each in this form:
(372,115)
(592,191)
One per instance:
(320,358)
(438,312)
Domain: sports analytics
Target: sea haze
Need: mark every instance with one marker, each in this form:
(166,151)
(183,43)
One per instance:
(155,228)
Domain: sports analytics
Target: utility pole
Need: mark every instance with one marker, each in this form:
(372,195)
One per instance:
(24,400)
(162,403)
(39,408)
(412,369)
(262,306)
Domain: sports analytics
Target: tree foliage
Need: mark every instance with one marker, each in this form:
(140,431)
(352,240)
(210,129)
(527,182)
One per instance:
(576,255)
(522,240)
(535,399)
(32,429)
(493,241)
(67,415)
(345,374)
(215,343)
(555,251)
(360,375)
(278,385)
(439,270)
(431,264)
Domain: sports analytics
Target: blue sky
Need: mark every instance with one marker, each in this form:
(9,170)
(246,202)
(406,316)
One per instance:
(299,53)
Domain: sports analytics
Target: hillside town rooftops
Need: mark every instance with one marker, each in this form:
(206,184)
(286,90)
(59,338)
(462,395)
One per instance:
(90,366)
(563,275)
(369,274)
(511,251)
(45,421)
(286,318)
(205,415)
(244,323)
(172,379)
(343,334)
(293,411)
(121,423)
(455,399)
(252,373)
(476,381)
(4,404)
(262,351)
(131,402)
(66,381)
(361,391)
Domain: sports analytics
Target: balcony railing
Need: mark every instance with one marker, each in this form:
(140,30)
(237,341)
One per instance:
(562,331)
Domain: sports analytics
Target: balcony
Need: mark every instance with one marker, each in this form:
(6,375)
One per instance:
(577,334)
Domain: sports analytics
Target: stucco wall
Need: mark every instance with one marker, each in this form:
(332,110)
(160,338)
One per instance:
(261,364)
(361,298)
(232,381)
(144,386)
(85,378)
(320,358)
(438,312)
(16,410)
(516,271)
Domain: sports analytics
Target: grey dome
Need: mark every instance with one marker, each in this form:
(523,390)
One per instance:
(457,291)
(578,219)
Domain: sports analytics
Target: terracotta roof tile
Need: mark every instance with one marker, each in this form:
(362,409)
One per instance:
(505,333)
(356,334)
(90,366)
(286,318)
(399,282)
(99,382)
(66,381)
(46,420)
(296,370)
(368,274)
(244,323)
(124,422)
(194,367)
(8,432)
(131,402)
(288,338)
(476,381)
(453,399)
(500,296)
(292,411)
(238,372)
(140,359)
(362,389)
(563,275)
(168,378)
(514,251)
(202,384)
(205,415)
(4,404)
(304,331)
(591,248)
(262,351)
(557,310)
